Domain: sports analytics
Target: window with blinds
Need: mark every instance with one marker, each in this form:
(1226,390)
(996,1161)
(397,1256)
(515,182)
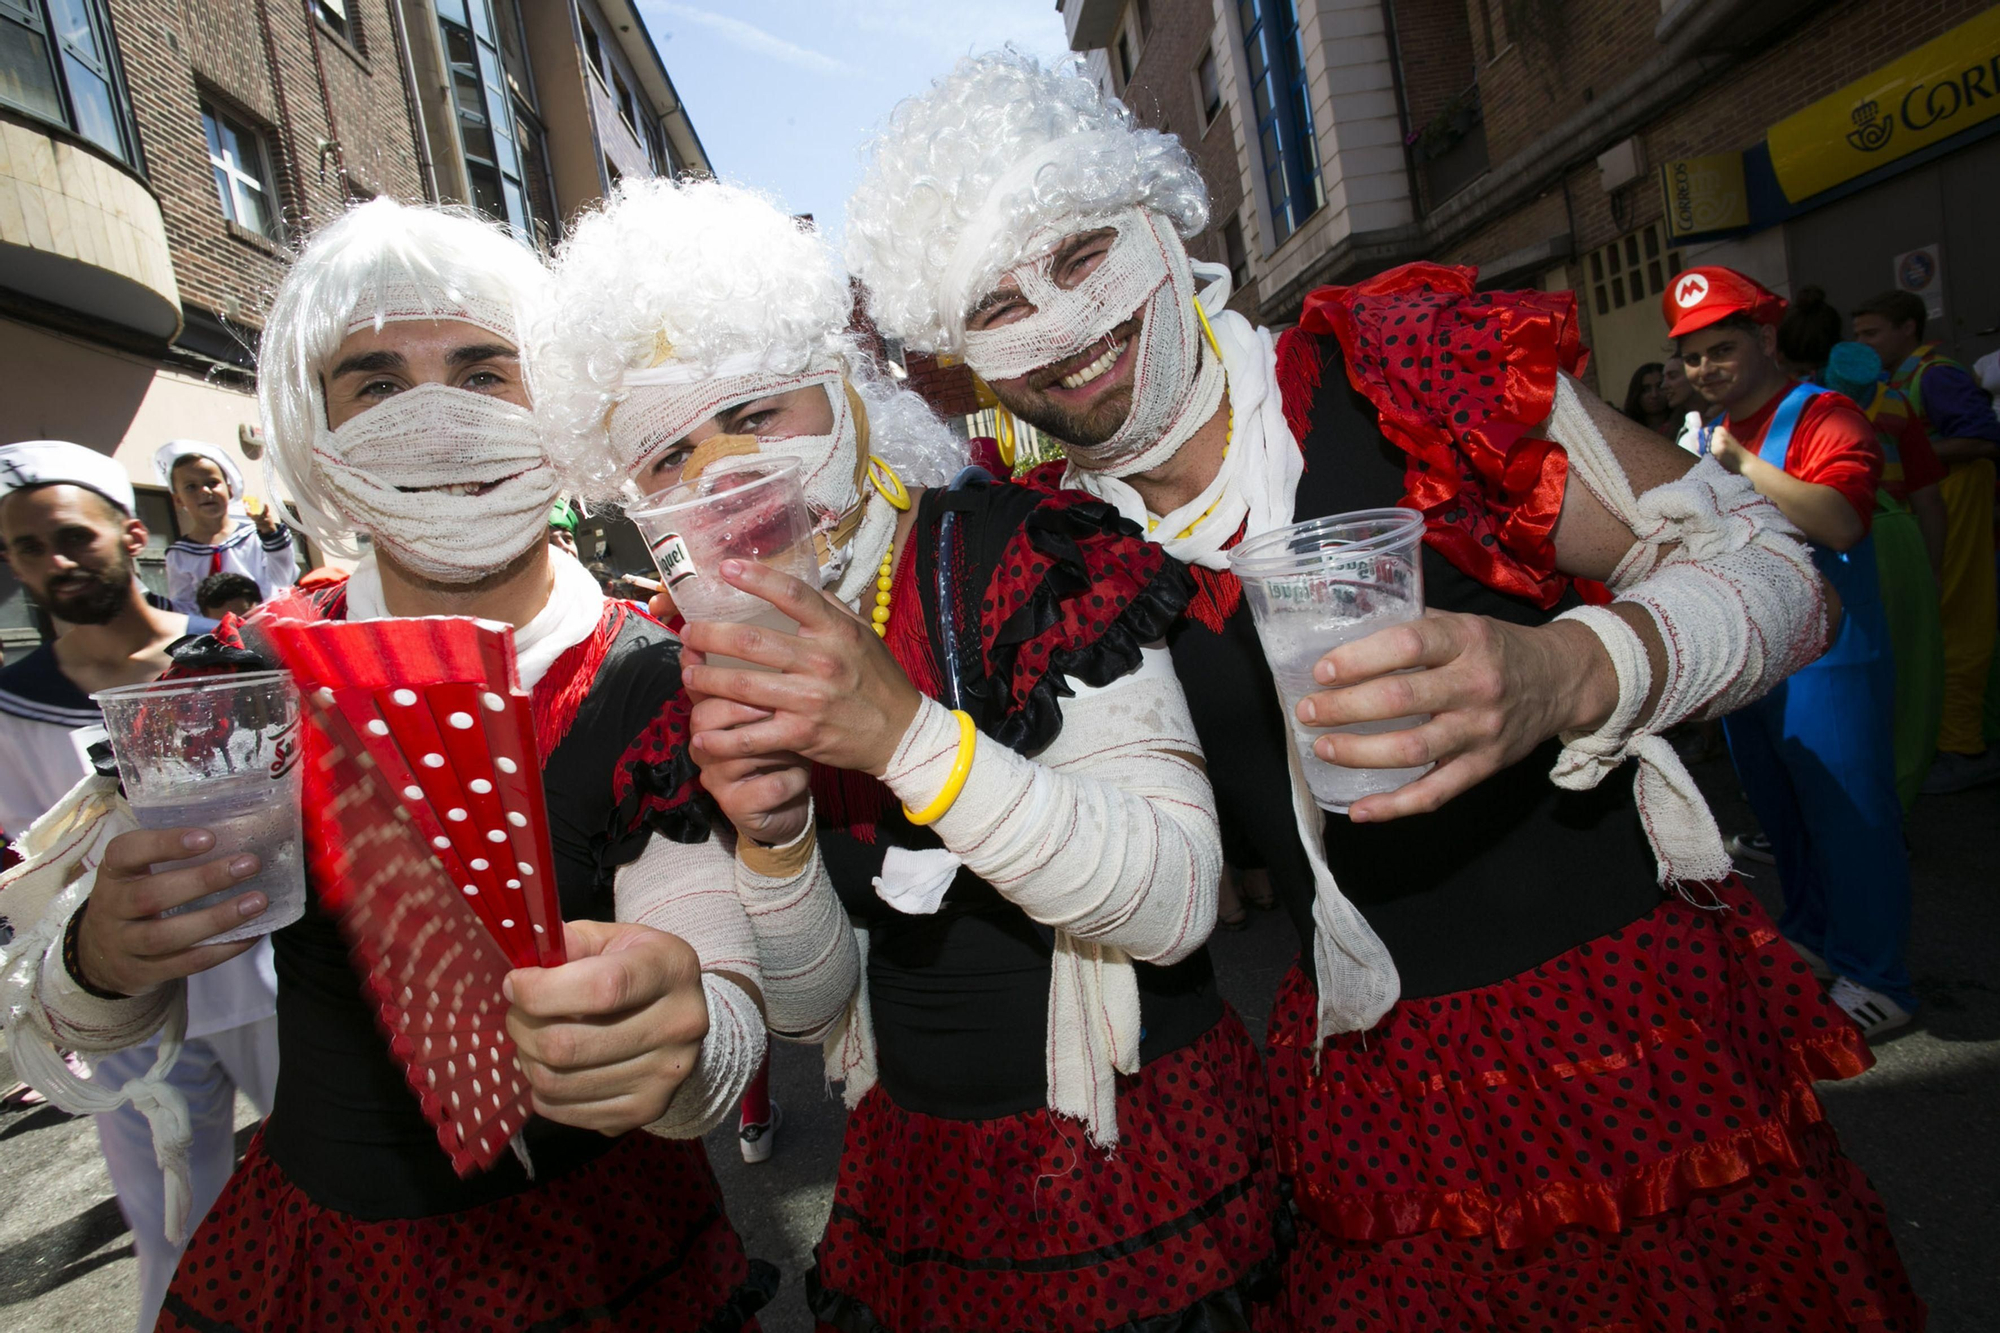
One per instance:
(1632,269)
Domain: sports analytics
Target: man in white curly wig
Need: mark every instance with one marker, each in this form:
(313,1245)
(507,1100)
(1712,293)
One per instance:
(1013,216)
(994,769)
(392,385)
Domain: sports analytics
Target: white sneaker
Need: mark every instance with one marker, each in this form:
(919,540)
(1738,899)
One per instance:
(759,1139)
(1813,960)
(1873,1012)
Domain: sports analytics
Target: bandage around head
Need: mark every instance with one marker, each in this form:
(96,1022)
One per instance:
(385,470)
(663,403)
(1175,387)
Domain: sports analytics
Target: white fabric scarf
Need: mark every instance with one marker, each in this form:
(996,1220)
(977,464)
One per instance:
(382,470)
(1175,388)
(569,617)
(1258,482)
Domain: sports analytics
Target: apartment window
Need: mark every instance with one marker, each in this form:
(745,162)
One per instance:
(1631,270)
(1209,86)
(593,47)
(57,63)
(623,95)
(1142,13)
(1125,57)
(486,126)
(242,169)
(1282,112)
(333,13)
(1238,257)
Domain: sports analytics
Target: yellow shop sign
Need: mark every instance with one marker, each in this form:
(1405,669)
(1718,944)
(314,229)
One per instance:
(1942,87)
(1704,194)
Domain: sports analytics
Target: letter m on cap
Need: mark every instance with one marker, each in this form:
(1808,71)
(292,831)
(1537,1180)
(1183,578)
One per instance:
(1690,290)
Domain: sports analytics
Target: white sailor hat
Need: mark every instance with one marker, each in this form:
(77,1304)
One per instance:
(166,454)
(58,462)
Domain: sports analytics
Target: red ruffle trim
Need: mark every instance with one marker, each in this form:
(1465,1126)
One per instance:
(633,1240)
(1666,1060)
(1018,1222)
(1458,378)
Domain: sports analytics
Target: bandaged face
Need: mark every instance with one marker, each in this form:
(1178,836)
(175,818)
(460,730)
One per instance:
(430,446)
(1096,341)
(675,422)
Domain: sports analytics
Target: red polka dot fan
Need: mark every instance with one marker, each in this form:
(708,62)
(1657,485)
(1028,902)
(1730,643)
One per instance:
(431,848)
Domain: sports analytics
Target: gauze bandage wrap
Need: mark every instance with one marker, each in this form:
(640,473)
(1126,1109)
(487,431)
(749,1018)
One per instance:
(1738,605)
(686,891)
(1109,836)
(811,965)
(1176,382)
(47,1013)
(386,469)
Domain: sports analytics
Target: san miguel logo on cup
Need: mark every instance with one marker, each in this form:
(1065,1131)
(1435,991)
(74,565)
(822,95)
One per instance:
(675,562)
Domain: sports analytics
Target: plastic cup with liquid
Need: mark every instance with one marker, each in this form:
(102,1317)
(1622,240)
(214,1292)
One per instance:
(1315,585)
(740,509)
(220,753)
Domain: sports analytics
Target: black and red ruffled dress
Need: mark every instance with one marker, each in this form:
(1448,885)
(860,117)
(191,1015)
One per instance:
(962,1202)
(346,1214)
(1593,1106)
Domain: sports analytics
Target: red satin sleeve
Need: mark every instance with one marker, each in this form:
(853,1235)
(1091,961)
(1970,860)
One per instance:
(1458,378)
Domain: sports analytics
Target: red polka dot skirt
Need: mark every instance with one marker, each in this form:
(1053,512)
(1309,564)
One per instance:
(636,1239)
(1625,1137)
(1019,1223)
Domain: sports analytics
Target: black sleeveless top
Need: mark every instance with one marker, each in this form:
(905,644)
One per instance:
(345,1128)
(960,998)
(1503,877)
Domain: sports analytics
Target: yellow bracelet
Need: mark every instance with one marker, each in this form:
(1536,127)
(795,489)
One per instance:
(968,738)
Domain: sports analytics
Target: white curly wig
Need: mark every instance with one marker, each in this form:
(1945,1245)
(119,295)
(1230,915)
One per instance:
(996,151)
(702,273)
(382,262)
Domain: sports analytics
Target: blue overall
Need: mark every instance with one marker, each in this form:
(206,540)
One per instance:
(1817,760)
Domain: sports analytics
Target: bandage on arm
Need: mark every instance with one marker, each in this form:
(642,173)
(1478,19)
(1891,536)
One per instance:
(687,890)
(80,1021)
(1738,607)
(1109,834)
(811,963)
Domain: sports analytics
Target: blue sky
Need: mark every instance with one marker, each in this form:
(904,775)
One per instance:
(783,92)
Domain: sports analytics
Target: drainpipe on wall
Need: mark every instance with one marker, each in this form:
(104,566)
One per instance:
(1402,107)
(419,132)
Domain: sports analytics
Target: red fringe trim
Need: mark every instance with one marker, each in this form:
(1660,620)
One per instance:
(560,693)
(1217,594)
(1526,1219)
(1299,368)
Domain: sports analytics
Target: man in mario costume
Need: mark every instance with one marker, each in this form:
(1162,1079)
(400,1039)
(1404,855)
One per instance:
(1815,754)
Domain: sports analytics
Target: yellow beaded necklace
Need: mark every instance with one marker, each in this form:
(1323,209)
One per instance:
(884,578)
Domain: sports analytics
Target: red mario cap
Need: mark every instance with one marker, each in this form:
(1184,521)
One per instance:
(1698,297)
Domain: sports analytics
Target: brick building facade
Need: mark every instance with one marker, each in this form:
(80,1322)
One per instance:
(1535,139)
(159,157)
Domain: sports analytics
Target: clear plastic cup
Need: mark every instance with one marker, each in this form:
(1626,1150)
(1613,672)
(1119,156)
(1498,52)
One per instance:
(743,509)
(1316,585)
(220,753)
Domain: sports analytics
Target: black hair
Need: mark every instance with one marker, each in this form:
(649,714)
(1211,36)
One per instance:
(1809,330)
(1898,307)
(1636,389)
(185,459)
(226,586)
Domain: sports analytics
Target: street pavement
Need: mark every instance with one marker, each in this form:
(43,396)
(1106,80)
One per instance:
(1924,1122)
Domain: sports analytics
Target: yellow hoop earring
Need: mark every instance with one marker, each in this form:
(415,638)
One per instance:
(1202,315)
(1003,430)
(893,490)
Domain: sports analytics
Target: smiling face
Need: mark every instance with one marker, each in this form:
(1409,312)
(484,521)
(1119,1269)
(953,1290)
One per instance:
(1730,365)
(201,490)
(778,416)
(73,550)
(1083,398)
